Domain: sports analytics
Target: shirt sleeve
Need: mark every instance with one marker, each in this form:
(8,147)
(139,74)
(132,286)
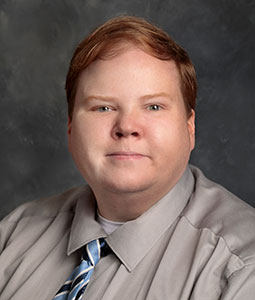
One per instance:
(241,284)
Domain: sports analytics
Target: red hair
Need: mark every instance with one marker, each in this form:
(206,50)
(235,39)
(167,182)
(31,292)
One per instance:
(115,36)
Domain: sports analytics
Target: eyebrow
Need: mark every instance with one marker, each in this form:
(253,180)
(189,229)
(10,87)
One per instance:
(145,97)
(97,97)
(157,95)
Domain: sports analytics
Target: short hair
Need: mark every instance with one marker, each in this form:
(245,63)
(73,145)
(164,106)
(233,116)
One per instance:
(109,39)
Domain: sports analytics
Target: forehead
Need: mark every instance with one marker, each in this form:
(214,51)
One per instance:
(132,70)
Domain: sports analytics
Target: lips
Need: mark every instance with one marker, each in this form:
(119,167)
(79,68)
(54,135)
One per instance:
(126,155)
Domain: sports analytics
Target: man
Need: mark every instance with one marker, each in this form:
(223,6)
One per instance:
(147,225)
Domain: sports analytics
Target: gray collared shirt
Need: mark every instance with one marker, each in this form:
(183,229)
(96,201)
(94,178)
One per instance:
(198,242)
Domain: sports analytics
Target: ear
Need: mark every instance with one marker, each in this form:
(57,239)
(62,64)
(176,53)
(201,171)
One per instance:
(69,130)
(191,129)
(69,126)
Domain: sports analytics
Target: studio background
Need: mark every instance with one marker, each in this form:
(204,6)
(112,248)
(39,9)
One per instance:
(37,40)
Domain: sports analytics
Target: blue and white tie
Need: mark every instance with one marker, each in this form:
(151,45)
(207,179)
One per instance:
(77,282)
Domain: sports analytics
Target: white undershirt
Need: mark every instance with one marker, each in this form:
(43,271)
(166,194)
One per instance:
(108,226)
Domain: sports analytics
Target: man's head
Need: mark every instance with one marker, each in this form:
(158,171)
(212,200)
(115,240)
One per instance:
(114,36)
(131,129)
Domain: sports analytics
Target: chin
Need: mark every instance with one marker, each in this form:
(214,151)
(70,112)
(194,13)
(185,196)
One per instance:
(127,187)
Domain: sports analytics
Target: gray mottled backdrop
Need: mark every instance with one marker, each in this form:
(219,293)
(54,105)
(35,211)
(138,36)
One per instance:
(37,41)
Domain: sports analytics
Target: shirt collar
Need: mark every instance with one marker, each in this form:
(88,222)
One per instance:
(84,228)
(134,239)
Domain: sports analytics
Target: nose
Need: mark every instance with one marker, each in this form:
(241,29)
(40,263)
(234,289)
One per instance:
(127,125)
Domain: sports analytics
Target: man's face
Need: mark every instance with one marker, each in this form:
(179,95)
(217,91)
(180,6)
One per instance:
(130,132)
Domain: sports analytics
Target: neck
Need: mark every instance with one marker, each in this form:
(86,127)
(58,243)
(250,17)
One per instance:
(126,206)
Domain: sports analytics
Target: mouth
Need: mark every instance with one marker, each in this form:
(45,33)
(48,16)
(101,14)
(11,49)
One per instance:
(126,155)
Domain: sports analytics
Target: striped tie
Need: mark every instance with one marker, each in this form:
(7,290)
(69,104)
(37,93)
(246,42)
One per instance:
(76,284)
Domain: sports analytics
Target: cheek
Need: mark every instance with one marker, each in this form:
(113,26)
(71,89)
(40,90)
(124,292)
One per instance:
(164,131)
(87,135)
(170,137)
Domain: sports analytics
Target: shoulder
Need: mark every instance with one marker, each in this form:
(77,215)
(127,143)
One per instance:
(40,213)
(48,207)
(214,208)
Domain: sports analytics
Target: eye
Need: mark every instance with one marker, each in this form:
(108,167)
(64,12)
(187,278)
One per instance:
(103,108)
(154,107)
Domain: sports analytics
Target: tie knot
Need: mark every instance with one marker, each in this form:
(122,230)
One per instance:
(94,250)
